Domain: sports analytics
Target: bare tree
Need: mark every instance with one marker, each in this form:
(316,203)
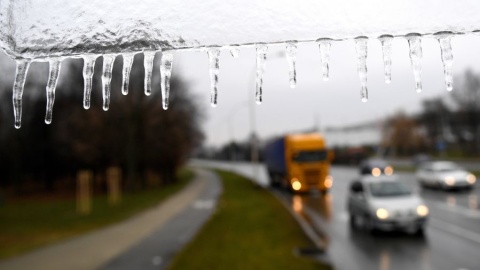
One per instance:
(467,97)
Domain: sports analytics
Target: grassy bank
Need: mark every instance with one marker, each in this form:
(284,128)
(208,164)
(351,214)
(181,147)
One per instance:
(31,224)
(250,230)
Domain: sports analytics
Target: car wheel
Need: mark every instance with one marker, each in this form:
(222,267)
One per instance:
(369,225)
(353,221)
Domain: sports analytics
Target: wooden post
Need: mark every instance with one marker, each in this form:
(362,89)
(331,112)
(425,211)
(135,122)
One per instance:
(114,176)
(84,197)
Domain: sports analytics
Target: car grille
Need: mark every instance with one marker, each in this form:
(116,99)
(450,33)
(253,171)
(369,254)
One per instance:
(312,176)
(404,214)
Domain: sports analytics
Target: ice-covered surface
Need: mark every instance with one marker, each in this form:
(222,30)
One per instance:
(50,30)
(44,28)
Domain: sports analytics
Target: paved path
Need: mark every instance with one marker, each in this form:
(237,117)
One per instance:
(101,247)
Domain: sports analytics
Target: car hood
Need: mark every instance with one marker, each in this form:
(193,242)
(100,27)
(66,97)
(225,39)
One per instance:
(454,174)
(396,203)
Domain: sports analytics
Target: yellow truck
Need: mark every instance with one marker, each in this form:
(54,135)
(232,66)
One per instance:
(299,162)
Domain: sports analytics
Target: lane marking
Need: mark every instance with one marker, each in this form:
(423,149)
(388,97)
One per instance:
(454,229)
(470,213)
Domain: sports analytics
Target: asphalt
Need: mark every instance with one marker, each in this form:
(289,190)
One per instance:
(145,241)
(451,240)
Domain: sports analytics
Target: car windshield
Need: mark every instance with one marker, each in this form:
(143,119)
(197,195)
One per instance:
(310,156)
(388,189)
(377,163)
(446,167)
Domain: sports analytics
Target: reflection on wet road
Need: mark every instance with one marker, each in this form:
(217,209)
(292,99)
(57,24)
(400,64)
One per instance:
(451,240)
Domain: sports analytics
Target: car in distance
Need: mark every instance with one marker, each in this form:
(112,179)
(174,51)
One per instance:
(444,175)
(375,167)
(387,204)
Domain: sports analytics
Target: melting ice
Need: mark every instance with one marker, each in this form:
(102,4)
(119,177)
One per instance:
(148,65)
(324,45)
(386,41)
(165,74)
(415,52)
(361,49)
(291,53)
(88,69)
(107,79)
(447,58)
(51,85)
(415,45)
(261,61)
(21,75)
(127,67)
(214,69)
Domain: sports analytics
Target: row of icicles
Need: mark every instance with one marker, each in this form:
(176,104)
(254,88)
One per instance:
(414,41)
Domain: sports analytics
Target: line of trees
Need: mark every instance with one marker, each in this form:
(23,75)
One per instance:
(447,124)
(136,134)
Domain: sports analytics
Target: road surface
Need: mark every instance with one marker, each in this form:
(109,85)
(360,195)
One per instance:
(451,241)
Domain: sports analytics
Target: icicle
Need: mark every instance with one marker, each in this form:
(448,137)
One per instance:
(106,79)
(55,65)
(324,45)
(148,65)
(386,41)
(361,49)
(165,73)
(291,53)
(261,61)
(213,59)
(447,58)
(20,76)
(88,68)
(415,44)
(127,67)
(234,51)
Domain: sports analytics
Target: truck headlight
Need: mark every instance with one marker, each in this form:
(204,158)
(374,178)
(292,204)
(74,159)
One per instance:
(328,181)
(471,179)
(422,210)
(382,213)
(296,185)
(449,180)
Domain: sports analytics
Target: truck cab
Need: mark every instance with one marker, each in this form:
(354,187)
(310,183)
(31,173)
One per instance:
(307,162)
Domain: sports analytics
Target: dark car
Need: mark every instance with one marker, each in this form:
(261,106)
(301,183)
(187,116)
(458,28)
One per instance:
(419,159)
(375,167)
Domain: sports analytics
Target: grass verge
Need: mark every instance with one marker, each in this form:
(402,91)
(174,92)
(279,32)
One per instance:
(249,230)
(28,225)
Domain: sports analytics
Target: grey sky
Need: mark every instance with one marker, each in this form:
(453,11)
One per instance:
(335,102)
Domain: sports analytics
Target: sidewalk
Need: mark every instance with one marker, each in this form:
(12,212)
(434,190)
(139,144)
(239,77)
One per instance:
(92,250)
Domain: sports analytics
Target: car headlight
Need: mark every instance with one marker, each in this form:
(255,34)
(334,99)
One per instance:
(388,170)
(376,172)
(422,210)
(328,181)
(449,180)
(382,213)
(471,179)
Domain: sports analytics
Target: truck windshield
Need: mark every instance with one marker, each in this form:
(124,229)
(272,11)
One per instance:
(310,156)
(388,189)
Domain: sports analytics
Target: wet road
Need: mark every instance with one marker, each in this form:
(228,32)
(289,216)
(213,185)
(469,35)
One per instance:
(451,240)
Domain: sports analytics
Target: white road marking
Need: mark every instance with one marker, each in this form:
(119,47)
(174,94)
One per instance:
(454,229)
(456,209)
(203,204)
(157,260)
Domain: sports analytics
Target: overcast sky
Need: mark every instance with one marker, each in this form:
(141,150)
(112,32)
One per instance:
(334,103)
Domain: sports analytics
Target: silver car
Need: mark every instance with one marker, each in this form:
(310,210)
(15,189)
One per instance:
(385,203)
(445,175)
